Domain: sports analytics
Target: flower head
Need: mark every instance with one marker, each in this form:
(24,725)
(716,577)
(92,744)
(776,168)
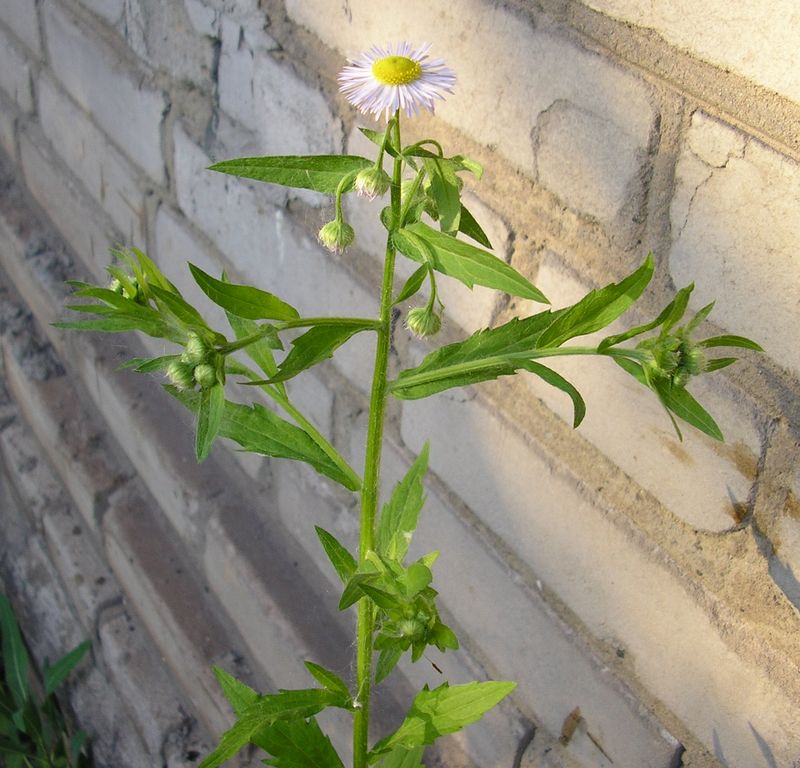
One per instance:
(423,321)
(336,235)
(372,182)
(385,80)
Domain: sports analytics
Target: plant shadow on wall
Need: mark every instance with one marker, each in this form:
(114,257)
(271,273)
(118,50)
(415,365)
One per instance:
(426,222)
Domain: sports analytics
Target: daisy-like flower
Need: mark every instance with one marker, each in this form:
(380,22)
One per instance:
(385,80)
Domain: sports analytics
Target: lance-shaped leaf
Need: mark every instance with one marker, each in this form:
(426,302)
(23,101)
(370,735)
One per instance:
(55,675)
(15,657)
(239,695)
(297,744)
(413,284)
(259,351)
(729,340)
(598,308)
(286,705)
(258,430)
(243,300)
(322,173)
(327,679)
(176,305)
(468,226)
(210,409)
(444,190)
(342,561)
(399,516)
(387,661)
(464,262)
(444,710)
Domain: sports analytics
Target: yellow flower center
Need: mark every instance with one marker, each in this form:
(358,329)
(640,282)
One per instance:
(396,70)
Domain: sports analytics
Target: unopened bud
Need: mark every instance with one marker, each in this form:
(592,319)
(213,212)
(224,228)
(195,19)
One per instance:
(337,235)
(422,322)
(180,374)
(196,350)
(205,376)
(372,182)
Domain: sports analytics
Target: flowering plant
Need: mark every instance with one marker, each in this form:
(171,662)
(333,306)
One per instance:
(425,219)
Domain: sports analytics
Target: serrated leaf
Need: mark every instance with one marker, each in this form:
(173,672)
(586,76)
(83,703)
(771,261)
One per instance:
(258,430)
(322,173)
(598,308)
(15,657)
(239,695)
(729,340)
(342,561)
(444,710)
(559,382)
(444,190)
(55,675)
(485,355)
(211,405)
(327,679)
(412,285)
(243,300)
(297,744)
(468,226)
(286,705)
(387,661)
(462,261)
(399,516)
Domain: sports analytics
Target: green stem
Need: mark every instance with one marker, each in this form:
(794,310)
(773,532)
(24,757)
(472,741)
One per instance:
(367,323)
(371,487)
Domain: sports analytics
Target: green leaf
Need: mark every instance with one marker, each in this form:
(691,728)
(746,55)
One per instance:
(55,675)
(239,695)
(209,418)
(261,431)
(684,406)
(676,309)
(243,300)
(343,562)
(399,516)
(376,137)
(120,324)
(462,261)
(461,163)
(297,744)
(322,173)
(444,710)
(148,364)
(328,679)
(412,285)
(353,589)
(485,355)
(444,191)
(15,657)
(469,226)
(730,341)
(598,308)
(184,312)
(380,597)
(559,382)
(402,758)
(286,705)
(718,363)
(315,345)
(76,745)
(387,661)
(681,298)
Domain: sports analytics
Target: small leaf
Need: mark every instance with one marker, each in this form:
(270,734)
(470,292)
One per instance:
(243,300)
(286,705)
(598,308)
(444,710)
(468,226)
(209,418)
(718,364)
(352,589)
(184,312)
(559,382)
(260,351)
(55,675)
(730,341)
(297,744)
(380,597)
(684,406)
(387,661)
(376,137)
(402,758)
(343,562)
(15,657)
(462,261)
(239,695)
(148,365)
(322,173)
(327,679)
(444,191)
(412,285)
(399,516)
(461,163)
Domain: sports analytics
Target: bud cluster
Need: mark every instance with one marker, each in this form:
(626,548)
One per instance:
(200,364)
(675,358)
(132,291)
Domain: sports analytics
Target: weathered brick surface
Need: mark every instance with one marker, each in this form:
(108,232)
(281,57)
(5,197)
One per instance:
(727,245)
(15,73)
(8,127)
(124,106)
(21,17)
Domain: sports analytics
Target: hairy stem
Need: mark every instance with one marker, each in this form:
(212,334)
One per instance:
(371,486)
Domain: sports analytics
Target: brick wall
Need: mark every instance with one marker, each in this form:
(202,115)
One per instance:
(654,584)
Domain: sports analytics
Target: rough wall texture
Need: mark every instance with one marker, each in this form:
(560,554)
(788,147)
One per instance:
(653,584)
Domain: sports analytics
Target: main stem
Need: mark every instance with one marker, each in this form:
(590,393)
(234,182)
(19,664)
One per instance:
(371,484)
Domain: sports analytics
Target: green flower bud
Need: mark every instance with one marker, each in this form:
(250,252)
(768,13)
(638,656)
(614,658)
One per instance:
(116,286)
(337,235)
(205,375)
(180,374)
(196,351)
(372,182)
(422,322)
